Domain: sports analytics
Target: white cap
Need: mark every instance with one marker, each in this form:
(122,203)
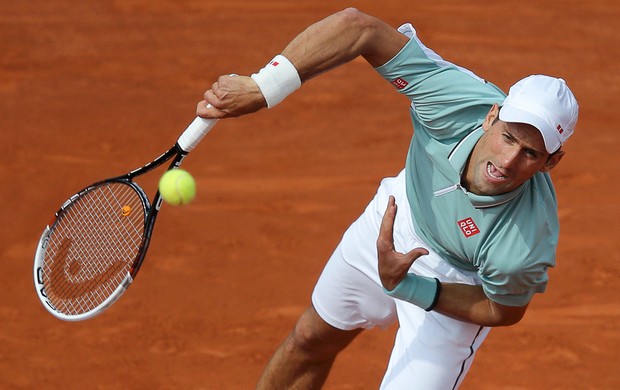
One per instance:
(545,103)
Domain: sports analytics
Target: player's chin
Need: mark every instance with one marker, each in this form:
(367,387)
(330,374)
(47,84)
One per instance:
(496,187)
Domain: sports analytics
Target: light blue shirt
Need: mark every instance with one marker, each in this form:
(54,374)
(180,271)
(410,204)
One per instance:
(509,239)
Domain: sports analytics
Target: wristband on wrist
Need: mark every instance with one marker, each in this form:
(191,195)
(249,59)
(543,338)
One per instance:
(419,290)
(277,80)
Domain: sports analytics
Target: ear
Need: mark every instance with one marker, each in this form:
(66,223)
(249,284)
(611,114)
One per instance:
(553,160)
(491,117)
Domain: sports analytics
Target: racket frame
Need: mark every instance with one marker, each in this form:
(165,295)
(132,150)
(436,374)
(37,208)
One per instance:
(150,209)
(188,140)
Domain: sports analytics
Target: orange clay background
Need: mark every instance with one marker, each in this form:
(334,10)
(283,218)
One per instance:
(92,89)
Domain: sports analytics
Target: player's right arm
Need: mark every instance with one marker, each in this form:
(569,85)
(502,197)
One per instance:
(324,45)
(341,38)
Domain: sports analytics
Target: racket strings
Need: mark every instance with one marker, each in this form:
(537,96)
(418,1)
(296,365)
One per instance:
(93,246)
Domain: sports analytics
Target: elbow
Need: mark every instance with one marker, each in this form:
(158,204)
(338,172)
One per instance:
(507,321)
(496,321)
(353,14)
(353,19)
(368,36)
(505,315)
(358,24)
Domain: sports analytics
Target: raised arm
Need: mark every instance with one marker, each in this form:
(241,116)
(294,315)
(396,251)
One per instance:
(324,45)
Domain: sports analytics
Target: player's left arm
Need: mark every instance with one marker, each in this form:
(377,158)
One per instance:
(463,302)
(470,304)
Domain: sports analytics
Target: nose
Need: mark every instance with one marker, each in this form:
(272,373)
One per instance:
(509,157)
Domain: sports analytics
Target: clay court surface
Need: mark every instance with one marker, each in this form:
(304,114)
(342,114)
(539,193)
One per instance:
(91,89)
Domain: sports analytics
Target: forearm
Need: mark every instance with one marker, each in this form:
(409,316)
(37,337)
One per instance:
(470,304)
(339,39)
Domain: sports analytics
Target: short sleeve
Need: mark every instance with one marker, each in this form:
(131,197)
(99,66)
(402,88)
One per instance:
(443,96)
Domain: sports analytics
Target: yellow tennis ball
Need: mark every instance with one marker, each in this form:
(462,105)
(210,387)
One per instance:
(177,187)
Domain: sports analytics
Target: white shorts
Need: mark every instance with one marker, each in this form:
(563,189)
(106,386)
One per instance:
(431,351)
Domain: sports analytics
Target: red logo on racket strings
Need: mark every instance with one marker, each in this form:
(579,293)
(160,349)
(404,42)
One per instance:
(399,83)
(560,129)
(468,227)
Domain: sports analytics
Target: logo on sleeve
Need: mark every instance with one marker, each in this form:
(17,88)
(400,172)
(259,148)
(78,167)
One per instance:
(399,83)
(468,227)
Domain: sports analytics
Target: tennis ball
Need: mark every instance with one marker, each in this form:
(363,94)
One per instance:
(177,187)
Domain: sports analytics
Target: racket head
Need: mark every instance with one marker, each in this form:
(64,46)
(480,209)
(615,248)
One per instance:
(88,255)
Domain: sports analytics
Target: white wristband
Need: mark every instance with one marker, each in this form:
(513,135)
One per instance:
(277,80)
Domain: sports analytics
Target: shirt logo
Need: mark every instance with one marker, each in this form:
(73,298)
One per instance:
(399,83)
(560,129)
(468,227)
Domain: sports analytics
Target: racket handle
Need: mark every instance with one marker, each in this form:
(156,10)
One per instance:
(195,132)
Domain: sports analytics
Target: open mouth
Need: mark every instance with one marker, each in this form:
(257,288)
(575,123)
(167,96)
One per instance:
(494,173)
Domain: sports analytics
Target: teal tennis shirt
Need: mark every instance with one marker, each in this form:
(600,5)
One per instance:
(510,240)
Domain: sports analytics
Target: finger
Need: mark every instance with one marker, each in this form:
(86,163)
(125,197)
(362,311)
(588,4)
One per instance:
(206,110)
(415,253)
(217,96)
(224,85)
(385,241)
(387,223)
(217,89)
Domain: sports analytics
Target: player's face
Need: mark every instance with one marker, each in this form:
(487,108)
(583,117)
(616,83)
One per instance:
(506,156)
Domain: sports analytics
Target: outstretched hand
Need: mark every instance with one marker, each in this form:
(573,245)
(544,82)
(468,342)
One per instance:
(393,266)
(231,96)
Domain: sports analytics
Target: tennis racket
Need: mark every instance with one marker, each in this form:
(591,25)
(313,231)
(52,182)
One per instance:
(94,246)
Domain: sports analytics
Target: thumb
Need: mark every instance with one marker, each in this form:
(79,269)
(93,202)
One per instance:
(414,254)
(205,110)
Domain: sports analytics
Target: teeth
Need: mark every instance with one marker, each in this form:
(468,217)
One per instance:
(490,170)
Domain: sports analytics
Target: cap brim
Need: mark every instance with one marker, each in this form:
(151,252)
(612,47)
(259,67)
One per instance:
(510,113)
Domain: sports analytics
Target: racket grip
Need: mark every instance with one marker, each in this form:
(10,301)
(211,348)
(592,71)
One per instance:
(195,132)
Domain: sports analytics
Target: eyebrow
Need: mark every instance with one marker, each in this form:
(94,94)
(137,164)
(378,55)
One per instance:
(527,147)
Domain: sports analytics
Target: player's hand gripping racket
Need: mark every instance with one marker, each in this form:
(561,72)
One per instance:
(93,248)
